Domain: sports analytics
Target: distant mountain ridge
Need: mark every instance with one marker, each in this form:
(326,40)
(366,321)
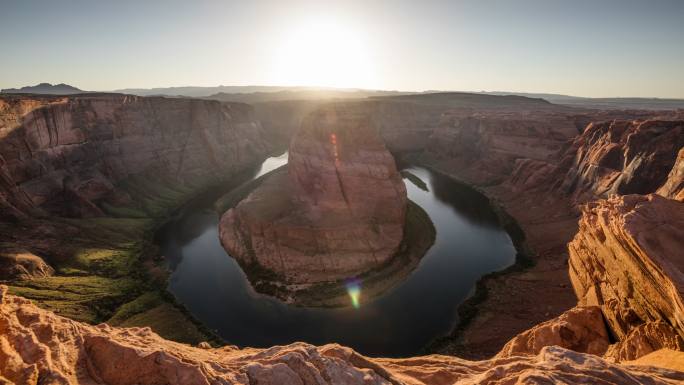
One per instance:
(259,94)
(601,103)
(300,94)
(199,92)
(45,88)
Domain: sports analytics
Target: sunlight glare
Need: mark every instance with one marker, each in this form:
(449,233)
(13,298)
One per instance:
(324,53)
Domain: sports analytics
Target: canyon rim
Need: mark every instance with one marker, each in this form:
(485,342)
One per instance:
(341,192)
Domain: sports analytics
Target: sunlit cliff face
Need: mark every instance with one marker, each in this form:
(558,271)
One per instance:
(324,53)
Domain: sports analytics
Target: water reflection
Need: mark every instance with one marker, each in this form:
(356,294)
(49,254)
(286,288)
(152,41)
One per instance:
(469,243)
(464,200)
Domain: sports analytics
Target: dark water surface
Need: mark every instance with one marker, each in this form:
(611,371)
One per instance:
(469,244)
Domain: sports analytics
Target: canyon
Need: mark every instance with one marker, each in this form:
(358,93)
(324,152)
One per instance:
(65,155)
(596,293)
(337,212)
(85,179)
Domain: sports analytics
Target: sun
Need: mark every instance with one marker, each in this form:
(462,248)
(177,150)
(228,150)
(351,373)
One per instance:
(324,53)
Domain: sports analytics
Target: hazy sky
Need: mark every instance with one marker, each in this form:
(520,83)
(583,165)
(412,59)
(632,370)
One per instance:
(577,47)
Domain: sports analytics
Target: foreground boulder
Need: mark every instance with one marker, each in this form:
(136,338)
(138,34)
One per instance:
(336,212)
(627,258)
(21,264)
(580,329)
(38,347)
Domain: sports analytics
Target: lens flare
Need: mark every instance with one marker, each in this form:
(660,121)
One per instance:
(354,291)
(336,155)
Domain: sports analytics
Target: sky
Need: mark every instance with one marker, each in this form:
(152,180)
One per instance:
(597,48)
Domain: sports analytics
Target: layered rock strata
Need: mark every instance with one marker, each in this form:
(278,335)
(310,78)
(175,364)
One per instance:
(336,212)
(624,157)
(526,162)
(38,347)
(627,258)
(674,185)
(580,329)
(85,178)
(64,155)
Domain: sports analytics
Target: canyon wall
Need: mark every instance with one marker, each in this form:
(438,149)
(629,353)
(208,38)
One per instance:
(40,347)
(405,122)
(484,146)
(627,258)
(65,155)
(85,180)
(674,185)
(539,165)
(403,125)
(336,212)
(623,157)
(69,156)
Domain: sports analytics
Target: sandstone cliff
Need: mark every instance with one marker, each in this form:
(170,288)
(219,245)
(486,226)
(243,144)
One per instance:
(624,157)
(627,258)
(337,211)
(38,347)
(64,155)
(580,329)
(538,165)
(674,185)
(85,179)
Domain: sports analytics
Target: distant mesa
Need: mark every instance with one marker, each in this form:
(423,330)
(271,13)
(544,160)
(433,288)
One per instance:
(45,88)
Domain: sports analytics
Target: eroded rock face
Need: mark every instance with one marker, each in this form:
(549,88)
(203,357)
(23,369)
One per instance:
(580,329)
(627,258)
(337,211)
(674,185)
(37,346)
(624,157)
(21,264)
(522,159)
(484,146)
(645,339)
(64,155)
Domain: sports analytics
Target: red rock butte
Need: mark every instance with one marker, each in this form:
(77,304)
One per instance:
(337,212)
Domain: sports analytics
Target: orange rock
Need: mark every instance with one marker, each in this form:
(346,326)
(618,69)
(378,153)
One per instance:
(627,259)
(674,185)
(38,347)
(663,358)
(623,157)
(645,339)
(580,329)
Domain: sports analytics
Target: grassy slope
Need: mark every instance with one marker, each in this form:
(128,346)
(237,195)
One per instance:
(107,278)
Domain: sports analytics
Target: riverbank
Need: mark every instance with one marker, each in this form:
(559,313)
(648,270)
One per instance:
(109,269)
(419,236)
(532,290)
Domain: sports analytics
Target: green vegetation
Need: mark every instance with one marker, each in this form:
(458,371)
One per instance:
(139,305)
(85,298)
(169,322)
(105,269)
(152,309)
